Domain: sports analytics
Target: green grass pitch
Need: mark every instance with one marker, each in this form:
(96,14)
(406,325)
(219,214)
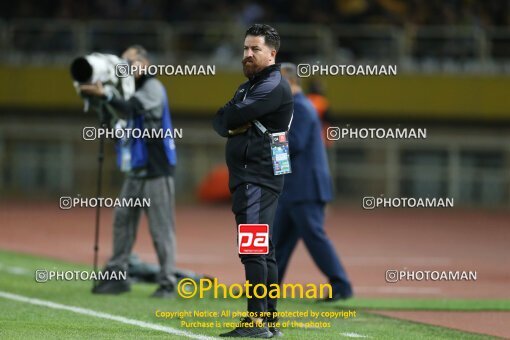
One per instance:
(23,320)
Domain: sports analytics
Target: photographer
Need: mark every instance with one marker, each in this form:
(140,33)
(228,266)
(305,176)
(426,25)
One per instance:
(149,166)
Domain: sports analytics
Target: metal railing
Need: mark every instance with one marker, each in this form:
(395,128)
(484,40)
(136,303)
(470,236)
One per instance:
(473,167)
(417,49)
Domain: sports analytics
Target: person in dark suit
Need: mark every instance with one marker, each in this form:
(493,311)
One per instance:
(300,212)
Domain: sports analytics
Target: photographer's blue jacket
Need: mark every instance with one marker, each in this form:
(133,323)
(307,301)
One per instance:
(148,109)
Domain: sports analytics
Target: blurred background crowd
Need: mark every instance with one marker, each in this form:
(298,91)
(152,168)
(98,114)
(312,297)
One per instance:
(482,13)
(453,59)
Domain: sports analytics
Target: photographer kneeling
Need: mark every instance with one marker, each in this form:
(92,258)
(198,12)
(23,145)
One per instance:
(149,166)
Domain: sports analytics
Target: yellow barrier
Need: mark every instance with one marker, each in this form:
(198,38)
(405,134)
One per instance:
(407,96)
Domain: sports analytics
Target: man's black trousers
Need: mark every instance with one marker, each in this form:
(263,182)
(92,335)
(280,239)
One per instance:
(254,204)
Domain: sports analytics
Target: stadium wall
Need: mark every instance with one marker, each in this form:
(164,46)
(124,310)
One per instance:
(458,97)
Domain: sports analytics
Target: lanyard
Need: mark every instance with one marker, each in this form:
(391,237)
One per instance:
(258,124)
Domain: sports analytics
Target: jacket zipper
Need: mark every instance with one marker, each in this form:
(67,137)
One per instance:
(246,154)
(248,144)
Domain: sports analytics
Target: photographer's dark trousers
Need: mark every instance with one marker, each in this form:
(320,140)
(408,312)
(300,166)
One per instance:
(254,204)
(160,214)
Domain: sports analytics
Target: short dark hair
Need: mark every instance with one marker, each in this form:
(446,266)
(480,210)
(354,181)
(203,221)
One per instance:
(271,36)
(290,71)
(140,51)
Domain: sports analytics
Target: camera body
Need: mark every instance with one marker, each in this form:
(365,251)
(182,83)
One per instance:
(94,67)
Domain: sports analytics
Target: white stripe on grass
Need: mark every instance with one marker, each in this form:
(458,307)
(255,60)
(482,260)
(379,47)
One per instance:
(400,290)
(102,315)
(398,261)
(17,271)
(354,335)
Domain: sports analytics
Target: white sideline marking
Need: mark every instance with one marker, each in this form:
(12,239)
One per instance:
(188,258)
(17,271)
(353,335)
(397,261)
(101,315)
(400,290)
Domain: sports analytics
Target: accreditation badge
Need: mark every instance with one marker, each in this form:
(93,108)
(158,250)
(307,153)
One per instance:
(280,153)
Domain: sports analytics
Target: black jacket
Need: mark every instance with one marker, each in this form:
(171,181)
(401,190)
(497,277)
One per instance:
(267,98)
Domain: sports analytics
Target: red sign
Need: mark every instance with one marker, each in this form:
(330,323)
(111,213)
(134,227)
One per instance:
(253,238)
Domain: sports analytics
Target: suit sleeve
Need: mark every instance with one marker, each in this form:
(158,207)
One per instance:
(261,100)
(300,130)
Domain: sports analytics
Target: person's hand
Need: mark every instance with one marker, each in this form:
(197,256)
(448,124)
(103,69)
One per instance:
(239,130)
(96,90)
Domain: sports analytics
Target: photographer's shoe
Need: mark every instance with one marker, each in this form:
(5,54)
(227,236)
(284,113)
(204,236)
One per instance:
(248,329)
(164,292)
(112,287)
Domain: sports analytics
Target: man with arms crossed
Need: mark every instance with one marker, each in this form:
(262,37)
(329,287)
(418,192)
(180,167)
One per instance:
(264,102)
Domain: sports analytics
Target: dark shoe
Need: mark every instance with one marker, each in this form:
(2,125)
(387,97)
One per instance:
(164,291)
(273,329)
(248,329)
(113,287)
(336,297)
